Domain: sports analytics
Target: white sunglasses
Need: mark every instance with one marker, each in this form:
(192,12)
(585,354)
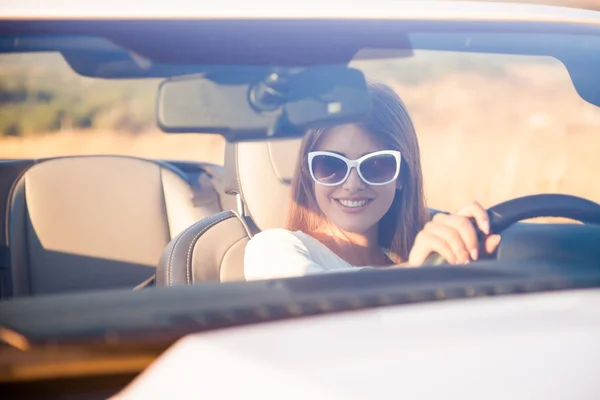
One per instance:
(377,169)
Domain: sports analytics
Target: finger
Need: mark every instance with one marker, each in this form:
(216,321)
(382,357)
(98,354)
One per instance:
(481,216)
(491,243)
(427,243)
(453,239)
(465,229)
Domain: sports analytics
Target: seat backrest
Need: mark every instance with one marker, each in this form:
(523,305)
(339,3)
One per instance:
(259,173)
(94,222)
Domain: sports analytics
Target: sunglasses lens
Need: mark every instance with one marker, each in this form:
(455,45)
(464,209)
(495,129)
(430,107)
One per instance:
(328,169)
(379,169)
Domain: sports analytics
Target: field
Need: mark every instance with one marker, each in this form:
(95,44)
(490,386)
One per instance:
(488,136)
(152,144)
(506,138)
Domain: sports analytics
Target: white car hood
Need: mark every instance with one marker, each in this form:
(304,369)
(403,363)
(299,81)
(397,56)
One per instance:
(535,346)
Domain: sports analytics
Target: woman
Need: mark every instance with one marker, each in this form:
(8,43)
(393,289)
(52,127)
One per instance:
(358,202)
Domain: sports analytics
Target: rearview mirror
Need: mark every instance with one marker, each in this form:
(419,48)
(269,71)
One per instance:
(244,107)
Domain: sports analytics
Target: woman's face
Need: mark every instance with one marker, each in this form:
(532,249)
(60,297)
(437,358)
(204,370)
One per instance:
(353,206)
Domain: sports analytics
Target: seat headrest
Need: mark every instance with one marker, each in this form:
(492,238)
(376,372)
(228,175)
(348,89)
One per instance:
(261,172)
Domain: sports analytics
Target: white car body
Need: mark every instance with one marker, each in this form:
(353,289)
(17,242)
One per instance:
(534,346)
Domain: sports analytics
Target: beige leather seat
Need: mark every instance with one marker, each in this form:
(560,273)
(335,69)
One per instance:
(259,173)
(94,222)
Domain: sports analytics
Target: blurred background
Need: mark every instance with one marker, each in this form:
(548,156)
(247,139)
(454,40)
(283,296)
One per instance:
(491,127)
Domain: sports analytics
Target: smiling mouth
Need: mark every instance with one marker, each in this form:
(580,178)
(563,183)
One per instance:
(353,203)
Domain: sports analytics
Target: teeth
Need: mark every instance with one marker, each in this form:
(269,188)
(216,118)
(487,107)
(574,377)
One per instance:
(353,203)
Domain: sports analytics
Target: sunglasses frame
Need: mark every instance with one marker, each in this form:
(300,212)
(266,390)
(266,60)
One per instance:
(355,164)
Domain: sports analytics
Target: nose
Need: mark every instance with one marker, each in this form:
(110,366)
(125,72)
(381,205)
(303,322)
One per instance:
(353,183)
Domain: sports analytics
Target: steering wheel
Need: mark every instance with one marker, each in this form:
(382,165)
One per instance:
(509,212)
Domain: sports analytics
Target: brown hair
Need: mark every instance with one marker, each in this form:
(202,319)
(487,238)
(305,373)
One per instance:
(389,124)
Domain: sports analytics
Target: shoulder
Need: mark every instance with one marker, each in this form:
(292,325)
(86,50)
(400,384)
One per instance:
(279,253)
(274,233)
(276,253)
(275,236)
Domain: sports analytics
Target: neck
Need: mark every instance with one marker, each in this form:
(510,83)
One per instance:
(360,249)
(366,240)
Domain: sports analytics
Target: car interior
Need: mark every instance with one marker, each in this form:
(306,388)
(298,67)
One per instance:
(213,249)
(65,230)
(176,223)
(259,174)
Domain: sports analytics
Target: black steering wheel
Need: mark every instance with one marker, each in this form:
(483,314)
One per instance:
(506,214)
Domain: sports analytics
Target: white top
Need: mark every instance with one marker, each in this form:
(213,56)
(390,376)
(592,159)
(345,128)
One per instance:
(279,253)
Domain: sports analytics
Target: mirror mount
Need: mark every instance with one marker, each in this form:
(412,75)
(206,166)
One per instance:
(269,94)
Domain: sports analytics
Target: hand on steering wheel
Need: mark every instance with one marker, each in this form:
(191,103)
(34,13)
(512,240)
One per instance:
(448,236)
(458,237)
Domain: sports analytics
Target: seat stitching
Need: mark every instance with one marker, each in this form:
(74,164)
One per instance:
(188,264)
(11,193)
(225,255)
(172,255)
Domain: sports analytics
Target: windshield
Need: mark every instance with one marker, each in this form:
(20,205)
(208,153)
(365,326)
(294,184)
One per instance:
(490,126)
(429,151)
